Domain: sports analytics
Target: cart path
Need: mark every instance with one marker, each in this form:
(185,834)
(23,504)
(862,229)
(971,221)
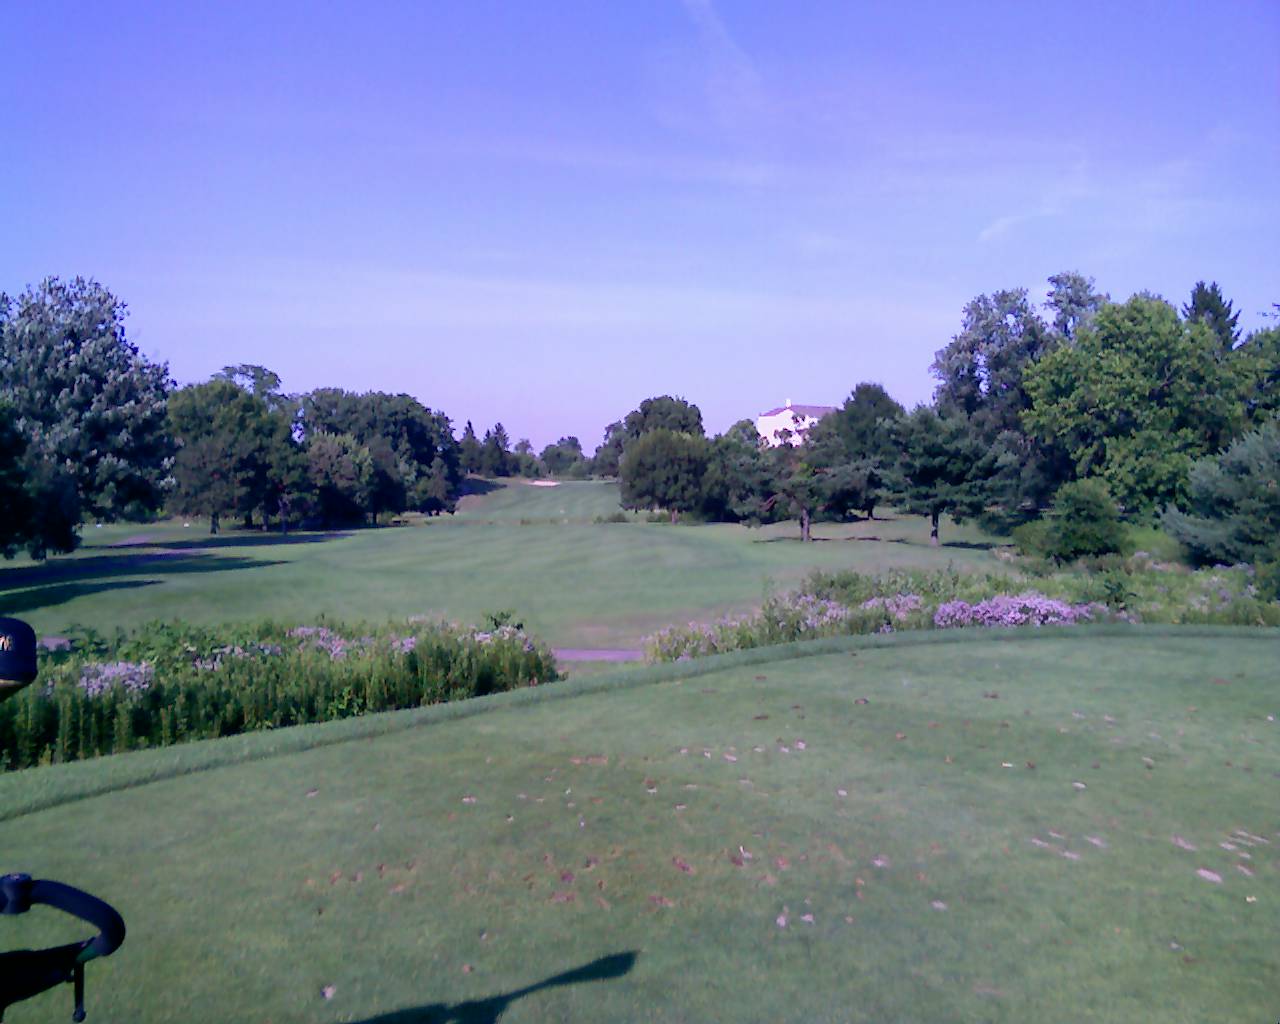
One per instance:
(596,654)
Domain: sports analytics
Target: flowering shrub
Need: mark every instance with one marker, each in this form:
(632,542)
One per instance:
(167,683)
(783,618)
(1027,609)
(127,676)
(932,587)
(899,607)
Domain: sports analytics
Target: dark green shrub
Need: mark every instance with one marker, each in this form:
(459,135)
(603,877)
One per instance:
(1267,579)
(1084,521)
(1032,539)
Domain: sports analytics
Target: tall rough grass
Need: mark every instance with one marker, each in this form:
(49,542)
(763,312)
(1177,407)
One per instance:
(169,683)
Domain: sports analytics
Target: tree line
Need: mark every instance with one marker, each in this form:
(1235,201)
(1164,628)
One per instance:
(1136,400)
(92,430)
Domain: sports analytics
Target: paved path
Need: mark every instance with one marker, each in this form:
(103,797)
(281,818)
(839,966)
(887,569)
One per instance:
(590,654)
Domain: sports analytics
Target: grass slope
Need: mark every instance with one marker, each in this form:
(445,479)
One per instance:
(436,874)
(569,501)
(575,583)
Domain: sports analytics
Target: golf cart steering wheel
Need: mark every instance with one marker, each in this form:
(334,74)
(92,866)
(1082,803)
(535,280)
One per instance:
(27,972)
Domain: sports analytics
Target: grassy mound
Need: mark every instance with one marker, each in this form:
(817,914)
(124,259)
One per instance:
(1038,827)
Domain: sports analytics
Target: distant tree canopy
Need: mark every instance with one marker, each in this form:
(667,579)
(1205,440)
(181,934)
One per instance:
(1079,398)
(663,469)
(415,461)
(863,426)
(737,476)
(233,452)
(342,472)
(661,413)
(564,458)
(496,458)
(983,374)
(1135,400)
(469,450)
(1074,303)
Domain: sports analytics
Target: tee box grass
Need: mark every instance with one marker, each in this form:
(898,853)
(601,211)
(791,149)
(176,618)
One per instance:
(1050,826)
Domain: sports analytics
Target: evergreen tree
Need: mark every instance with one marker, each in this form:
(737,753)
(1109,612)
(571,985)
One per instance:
(943,467)
(469,450)
(1233,501)
(736,481)
(495,455)
(1207,306)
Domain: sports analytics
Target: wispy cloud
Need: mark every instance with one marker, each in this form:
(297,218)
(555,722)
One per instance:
(735,92)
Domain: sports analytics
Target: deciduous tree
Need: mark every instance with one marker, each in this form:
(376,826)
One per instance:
(664,469)
(1136,399)
(660,413)
(226,462)
(341,471)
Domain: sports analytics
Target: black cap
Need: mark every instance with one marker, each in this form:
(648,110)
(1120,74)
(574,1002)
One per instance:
(17,651)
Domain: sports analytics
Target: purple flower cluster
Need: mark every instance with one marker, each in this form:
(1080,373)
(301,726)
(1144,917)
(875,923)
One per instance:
(507,633)
(899,606)
(808,613)
(219,654)
(325,639)
(130,676)
(1027,609)
(403,644)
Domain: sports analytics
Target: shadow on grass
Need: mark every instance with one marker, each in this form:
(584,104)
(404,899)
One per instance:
(487,1011)
(47,597)
(98,567)
(247,539)
(476,485)
(967,545)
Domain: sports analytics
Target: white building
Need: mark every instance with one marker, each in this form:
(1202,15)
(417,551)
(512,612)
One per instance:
(795,418)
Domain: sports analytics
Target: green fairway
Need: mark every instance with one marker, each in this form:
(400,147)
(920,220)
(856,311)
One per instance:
(536,550)
(1041,827)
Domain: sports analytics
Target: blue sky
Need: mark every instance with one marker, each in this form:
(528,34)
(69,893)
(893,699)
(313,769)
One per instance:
(546,212)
